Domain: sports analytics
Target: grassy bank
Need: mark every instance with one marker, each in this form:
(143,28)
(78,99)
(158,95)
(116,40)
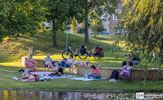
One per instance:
(6,82)
(11,50)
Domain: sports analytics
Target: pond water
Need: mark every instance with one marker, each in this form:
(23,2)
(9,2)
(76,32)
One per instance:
(53,95)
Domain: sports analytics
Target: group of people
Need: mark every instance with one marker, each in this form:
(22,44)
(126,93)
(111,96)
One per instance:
(58,67)
(126,70)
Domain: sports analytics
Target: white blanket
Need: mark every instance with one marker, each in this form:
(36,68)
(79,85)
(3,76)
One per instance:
(84,79)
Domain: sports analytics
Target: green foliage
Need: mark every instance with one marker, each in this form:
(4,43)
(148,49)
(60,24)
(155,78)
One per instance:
(19,17)
(143,21)
(12,50)
(73,25)
(96,24)
(83,8)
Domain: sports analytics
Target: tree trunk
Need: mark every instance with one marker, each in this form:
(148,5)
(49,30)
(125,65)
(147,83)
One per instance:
(86,39)
(54,41)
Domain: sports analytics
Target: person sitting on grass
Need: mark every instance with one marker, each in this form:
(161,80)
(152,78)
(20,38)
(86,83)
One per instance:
(126,69)
(30,64)
(48,62)
(114,76)
(134,58)
(67,62)
(58,71)
(95,73)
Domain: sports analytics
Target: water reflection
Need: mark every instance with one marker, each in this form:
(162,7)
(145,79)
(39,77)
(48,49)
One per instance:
(52,95)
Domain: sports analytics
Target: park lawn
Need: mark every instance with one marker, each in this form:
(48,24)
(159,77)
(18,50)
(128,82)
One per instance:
(6,82)
(13,49)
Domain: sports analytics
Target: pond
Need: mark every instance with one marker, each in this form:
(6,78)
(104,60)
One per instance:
(84,95)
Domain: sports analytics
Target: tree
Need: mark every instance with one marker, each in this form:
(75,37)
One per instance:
(143,22)
(99,6)
(61,12)
(20,16)
(96,24)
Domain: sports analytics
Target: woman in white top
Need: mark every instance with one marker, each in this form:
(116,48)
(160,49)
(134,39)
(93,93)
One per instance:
(48,62)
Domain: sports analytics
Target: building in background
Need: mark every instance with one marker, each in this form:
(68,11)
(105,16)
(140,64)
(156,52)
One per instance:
(109,21)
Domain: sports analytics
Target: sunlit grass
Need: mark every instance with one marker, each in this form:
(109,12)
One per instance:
(16,49)
(11,64)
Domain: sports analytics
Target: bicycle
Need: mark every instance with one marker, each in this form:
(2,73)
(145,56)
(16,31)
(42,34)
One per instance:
(70,51)
(82,53)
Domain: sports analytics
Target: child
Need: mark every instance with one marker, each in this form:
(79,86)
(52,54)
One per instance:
(48,62)
(95,73)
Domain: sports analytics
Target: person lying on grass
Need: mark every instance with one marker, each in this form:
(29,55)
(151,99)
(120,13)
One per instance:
(27,76)
(30,63)
(81,63)
(95,73)
(48,62)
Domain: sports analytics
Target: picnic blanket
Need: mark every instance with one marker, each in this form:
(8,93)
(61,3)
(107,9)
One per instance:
(42,77)
(41,73)
(62,76)
(84,79)
(48,76)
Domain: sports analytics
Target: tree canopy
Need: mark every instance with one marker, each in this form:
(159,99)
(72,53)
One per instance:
(143,22)
(20,16)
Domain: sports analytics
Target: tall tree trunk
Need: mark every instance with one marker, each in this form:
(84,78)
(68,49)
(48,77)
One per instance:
(54,41)
(86,39)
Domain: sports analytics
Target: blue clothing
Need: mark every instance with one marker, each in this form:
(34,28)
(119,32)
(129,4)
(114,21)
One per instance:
(64,64)
(94,76)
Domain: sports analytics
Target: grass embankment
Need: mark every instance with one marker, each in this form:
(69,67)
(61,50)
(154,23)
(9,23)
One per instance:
(13,49)
(65,84)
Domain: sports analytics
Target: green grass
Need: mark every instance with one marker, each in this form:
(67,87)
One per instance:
(13,49)
(6,82)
